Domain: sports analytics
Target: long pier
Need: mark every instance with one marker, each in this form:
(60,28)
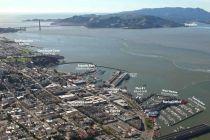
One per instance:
(187,133)
(82,62)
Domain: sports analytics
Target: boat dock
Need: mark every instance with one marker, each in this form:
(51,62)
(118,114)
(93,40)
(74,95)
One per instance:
(114,77)
(120,79)
(177,114)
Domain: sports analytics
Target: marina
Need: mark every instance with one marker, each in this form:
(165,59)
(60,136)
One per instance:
(177,114)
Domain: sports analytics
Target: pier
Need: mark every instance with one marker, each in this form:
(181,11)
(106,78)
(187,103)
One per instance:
(187,133)
(100,66)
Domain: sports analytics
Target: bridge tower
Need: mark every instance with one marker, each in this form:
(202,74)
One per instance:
(39,25)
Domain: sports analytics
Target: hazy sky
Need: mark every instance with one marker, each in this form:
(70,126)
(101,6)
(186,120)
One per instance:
(92,6)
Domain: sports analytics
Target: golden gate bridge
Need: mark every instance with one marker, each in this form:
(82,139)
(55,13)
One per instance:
(39,26)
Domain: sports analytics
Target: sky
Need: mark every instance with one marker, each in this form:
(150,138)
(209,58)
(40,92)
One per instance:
(93,6)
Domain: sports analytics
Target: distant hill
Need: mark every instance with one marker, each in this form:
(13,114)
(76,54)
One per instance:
(140,19)
(117,21)
(176,14)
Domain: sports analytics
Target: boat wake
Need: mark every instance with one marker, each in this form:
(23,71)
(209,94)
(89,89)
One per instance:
(162,57)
